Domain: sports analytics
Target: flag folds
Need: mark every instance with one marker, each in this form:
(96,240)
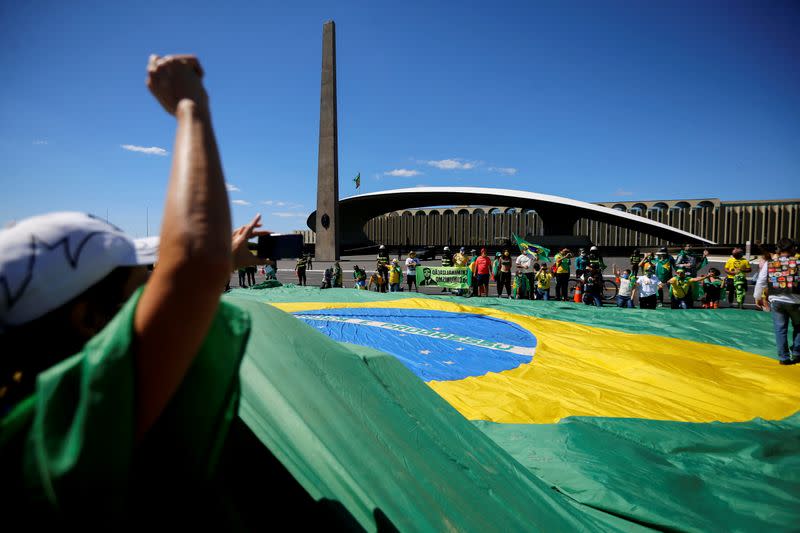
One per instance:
(467,413)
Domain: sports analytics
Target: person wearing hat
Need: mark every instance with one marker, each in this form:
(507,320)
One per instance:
(411,270)
(382,266)
(102,360)
(447,257)
(394,276)
(595,259)
(664,268)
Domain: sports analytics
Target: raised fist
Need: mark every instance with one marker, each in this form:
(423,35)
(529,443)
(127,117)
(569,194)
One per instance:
(175,78)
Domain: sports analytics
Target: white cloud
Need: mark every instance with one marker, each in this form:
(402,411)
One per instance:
(40,141)
(403,173)
(452,164)
(508,171)
(232,188)
(280,203)
(240,202)
(289,214)
(152,150)
(621,192)
(421,185)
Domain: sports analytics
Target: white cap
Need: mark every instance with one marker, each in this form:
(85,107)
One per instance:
(47,260)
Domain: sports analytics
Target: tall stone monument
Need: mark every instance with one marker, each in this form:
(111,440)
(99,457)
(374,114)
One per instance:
(327,230)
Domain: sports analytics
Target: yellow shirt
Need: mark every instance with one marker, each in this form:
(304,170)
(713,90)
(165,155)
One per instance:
(561,269)
(733,264)
(394,274)
(543,279)
(680,288)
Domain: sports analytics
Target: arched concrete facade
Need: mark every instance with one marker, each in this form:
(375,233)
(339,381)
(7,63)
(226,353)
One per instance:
(556,215)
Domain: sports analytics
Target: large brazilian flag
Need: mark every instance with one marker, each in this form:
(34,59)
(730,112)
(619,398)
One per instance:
(443,413)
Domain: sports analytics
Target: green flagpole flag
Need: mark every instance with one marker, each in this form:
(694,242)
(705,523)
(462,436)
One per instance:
(527,248)
(357,180)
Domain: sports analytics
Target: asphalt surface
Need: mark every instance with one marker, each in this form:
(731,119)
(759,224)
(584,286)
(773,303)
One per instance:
(286,274)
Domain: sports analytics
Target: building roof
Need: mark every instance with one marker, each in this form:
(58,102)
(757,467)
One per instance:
(558,213)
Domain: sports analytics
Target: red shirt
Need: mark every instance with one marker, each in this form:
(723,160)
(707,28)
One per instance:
(483,265)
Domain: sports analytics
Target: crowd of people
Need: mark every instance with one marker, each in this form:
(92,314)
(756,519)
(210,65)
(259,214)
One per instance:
(651,279)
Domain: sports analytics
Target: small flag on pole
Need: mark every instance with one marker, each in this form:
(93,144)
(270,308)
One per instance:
(357,179)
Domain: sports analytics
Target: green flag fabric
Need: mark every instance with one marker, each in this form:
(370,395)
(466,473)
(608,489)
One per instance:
(429,414)
(527,248)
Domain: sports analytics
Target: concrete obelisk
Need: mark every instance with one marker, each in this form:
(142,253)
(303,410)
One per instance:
(327,238)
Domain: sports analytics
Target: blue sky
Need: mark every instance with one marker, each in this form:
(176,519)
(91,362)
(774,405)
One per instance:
(593,100)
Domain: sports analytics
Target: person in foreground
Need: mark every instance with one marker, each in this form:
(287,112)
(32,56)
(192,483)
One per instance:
(778,278)
(94,366)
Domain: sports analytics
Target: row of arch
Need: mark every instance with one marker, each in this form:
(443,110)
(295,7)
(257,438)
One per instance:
(638,207)
(662,204)
(719,222)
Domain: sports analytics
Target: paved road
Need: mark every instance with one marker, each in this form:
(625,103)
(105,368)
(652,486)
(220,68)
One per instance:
(287,275)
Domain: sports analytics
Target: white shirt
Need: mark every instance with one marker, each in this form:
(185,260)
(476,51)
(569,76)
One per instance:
(625,287)
(648,286)
(761,284)
(524,261)
(411,266)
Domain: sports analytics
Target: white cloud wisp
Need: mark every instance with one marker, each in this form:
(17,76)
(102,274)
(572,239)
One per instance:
(452,164)
(508,171)
(402,173)
(151,150)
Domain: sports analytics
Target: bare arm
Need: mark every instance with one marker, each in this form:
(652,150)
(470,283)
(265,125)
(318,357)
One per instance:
(761,284)
(181,298)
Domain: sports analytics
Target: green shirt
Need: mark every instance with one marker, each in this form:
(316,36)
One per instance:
(68,451)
